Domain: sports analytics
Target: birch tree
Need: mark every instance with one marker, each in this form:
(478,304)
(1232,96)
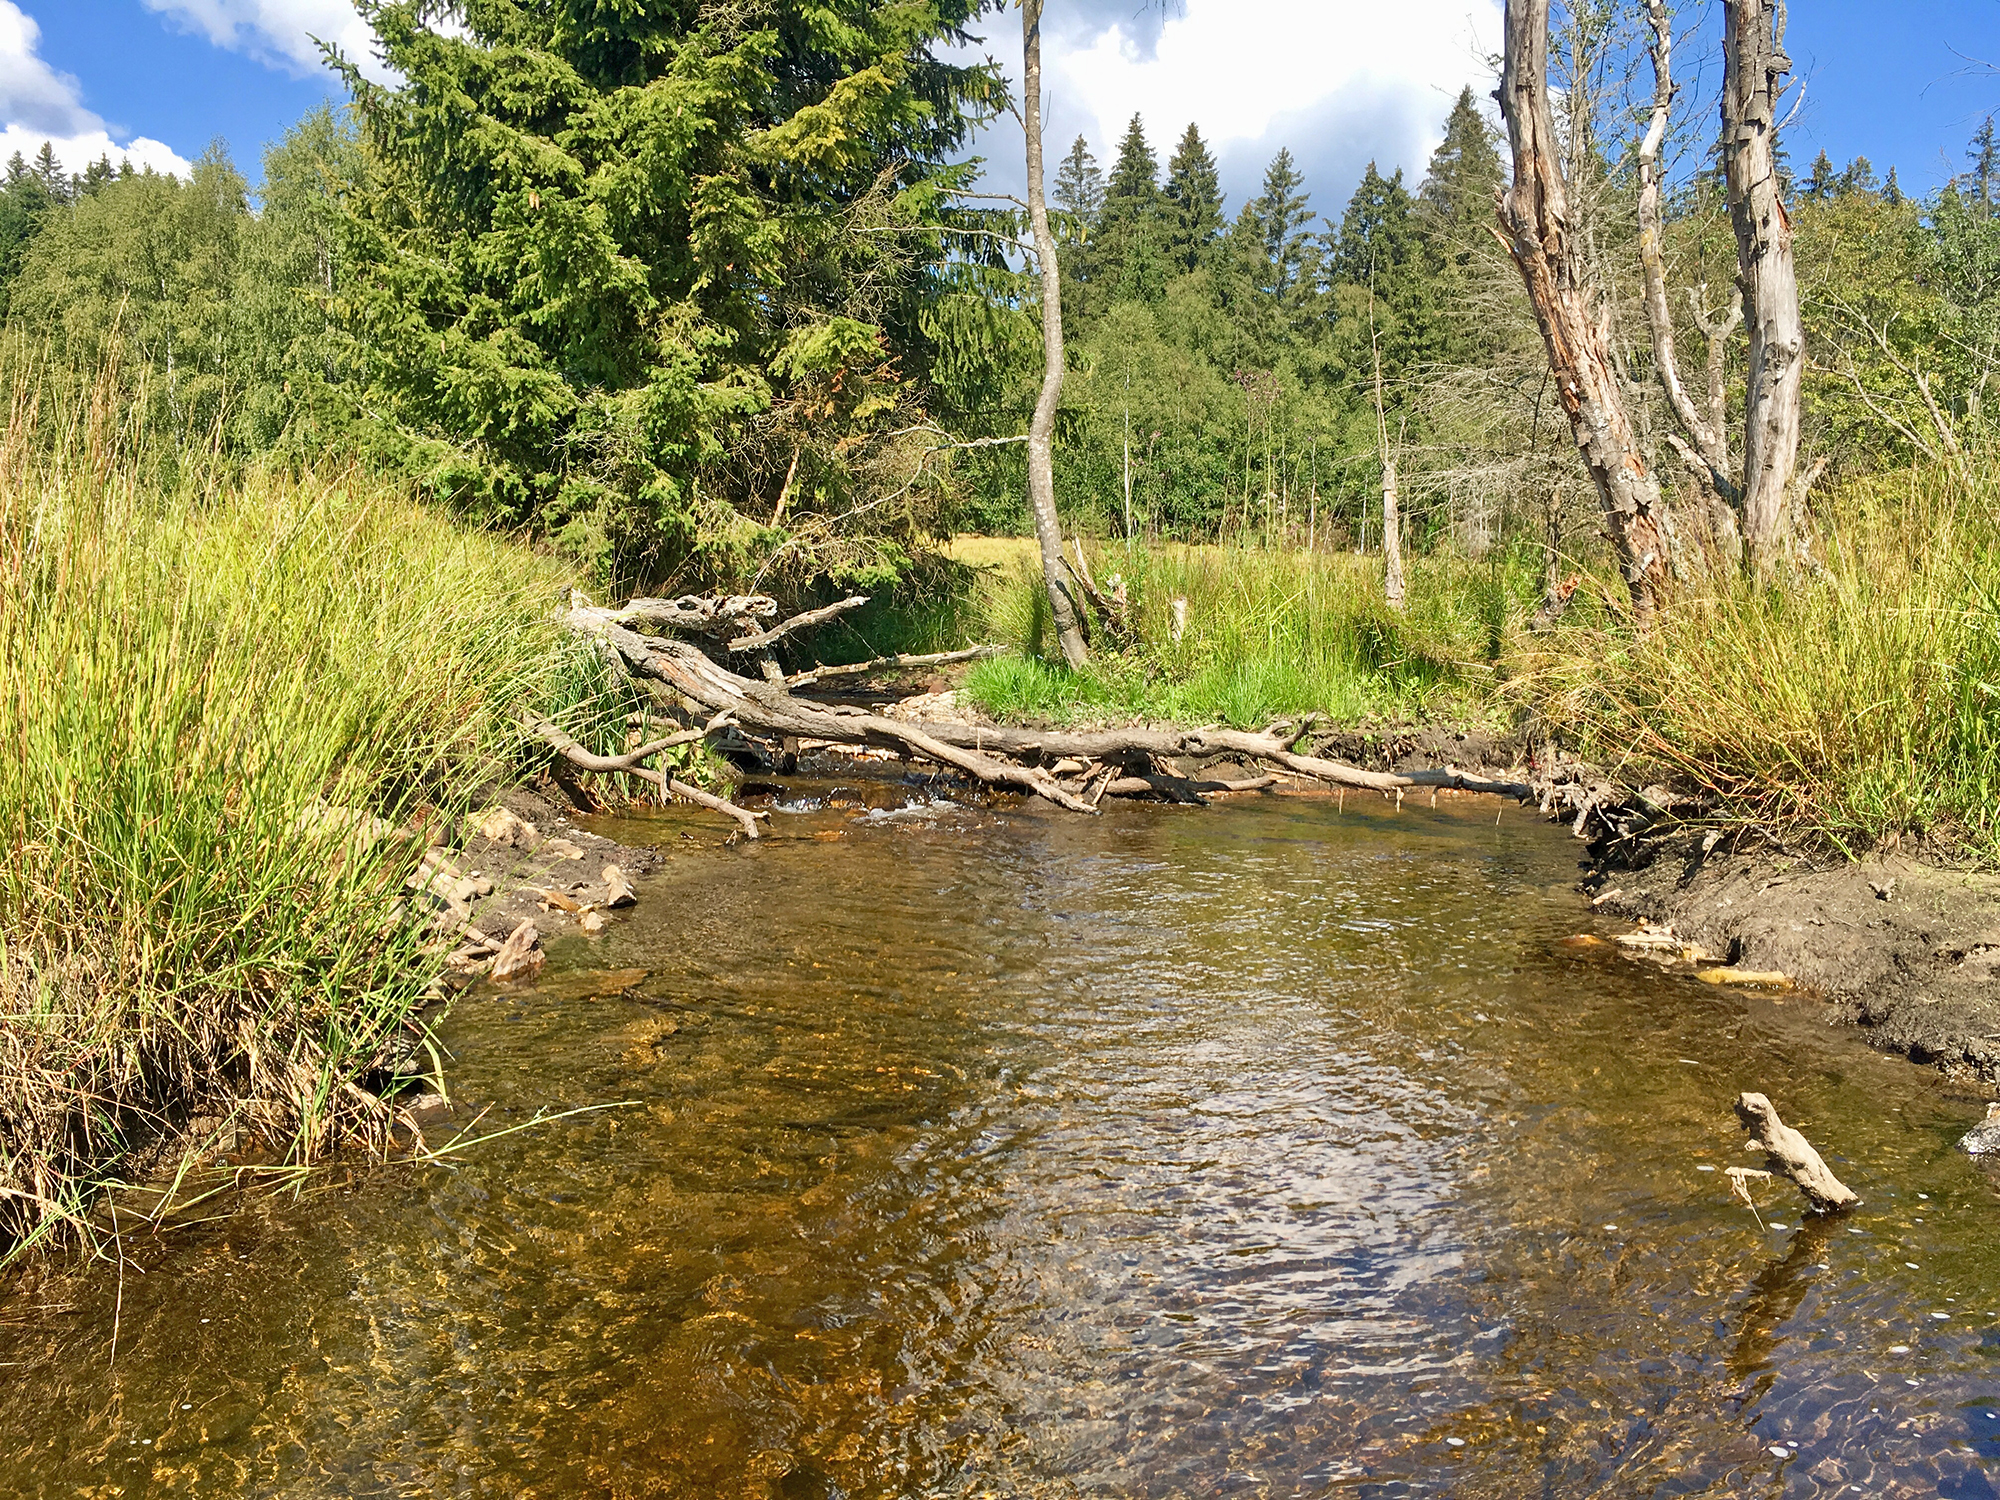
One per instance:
(1041,429)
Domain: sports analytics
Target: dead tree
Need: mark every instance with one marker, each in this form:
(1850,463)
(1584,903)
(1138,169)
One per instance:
(1535,215)
(1754,66)
(1703,440)
(1042,428)
(1075,770)
(1392,520)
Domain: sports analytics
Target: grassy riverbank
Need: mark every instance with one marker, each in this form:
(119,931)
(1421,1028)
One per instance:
(1859,702)
(206,695)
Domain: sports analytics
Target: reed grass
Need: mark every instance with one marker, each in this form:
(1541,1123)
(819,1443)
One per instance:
(1854,701)
(1269,633)
(1859,702)
(208,692)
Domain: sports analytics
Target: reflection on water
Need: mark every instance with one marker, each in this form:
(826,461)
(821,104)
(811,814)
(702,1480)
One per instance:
(1268,1150)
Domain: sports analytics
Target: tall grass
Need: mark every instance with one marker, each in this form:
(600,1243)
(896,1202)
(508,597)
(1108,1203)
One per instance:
(1857,702)
(204,694)
(1269,633)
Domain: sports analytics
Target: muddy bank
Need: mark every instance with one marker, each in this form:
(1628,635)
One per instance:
(1908,951)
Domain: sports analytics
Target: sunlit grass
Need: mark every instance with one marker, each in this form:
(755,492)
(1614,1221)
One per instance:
(1267,633)
(203,693)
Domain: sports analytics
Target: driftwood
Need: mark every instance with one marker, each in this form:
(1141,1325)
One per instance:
(891,663)
(583,760)
(1075,770)
(1789,1153)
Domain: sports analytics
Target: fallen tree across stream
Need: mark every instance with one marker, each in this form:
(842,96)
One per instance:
(1074,769)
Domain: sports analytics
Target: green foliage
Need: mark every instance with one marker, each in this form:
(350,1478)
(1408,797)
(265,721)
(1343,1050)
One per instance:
(622,273)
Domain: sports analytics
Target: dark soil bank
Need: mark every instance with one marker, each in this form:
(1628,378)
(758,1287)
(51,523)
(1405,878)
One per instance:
(1907,950)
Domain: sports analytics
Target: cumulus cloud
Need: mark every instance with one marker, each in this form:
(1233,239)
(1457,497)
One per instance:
(39,104)
(1339,82)
(285,33)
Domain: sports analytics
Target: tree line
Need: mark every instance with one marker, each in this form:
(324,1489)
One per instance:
(708,294)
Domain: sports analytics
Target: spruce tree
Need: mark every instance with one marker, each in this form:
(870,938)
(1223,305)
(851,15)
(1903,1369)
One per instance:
(1080,185)
(1382,251)
(1823,183)
(49,170)
(1131,261)
(1282,213)
(1464,172)
(1194,202)
(1892,190)
(605,265)
(1859,179)
(1984,159)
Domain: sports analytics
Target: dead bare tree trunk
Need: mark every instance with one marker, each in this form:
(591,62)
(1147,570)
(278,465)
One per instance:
(1392,538)
(1392,521)
(1535,215)
(1041,431)
(1705,431)
(1754,66)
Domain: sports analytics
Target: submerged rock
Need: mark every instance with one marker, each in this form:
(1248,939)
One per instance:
(1984,1138)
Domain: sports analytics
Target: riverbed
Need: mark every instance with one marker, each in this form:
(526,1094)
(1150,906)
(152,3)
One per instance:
(1283,1148)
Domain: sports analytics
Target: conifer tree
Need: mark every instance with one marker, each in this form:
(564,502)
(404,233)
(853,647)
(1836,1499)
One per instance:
(1892,190)
(607,271)
(1858,179)
(1464,172)
(1983,156)
(1194,202)
(1131,258)
(1382,251)
(1079,193)
(1080,185)
(49,170)
(1282,213)
(1823,182)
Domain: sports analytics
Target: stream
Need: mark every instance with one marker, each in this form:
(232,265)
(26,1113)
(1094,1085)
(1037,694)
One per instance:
(1275,1149)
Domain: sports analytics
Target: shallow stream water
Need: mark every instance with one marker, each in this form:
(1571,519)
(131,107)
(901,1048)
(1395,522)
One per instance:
(1273,1149)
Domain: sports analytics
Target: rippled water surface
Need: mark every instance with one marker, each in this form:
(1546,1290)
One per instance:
(1277,1149)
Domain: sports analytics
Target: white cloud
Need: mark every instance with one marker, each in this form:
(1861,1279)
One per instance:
(282,32)
(39,104)
(1340,82)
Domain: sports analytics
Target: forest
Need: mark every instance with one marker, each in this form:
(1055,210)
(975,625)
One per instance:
(683,300)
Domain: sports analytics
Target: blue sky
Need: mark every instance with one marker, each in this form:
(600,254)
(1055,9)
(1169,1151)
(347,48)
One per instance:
(1350,80)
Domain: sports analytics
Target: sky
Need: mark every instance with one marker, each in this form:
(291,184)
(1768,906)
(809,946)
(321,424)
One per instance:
(1339,82)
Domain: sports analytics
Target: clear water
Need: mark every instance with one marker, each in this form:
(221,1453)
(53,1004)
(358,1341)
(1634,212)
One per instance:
(1276,1149)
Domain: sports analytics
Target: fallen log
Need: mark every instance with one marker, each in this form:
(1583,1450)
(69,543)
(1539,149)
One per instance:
(1790,1153)
(762,639)
(1128,762)
(767,708)
(1268,745)
(1179,788)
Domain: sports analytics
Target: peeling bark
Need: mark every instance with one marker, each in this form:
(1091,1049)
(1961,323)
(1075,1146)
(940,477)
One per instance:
(1534,214)
(1753,78)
